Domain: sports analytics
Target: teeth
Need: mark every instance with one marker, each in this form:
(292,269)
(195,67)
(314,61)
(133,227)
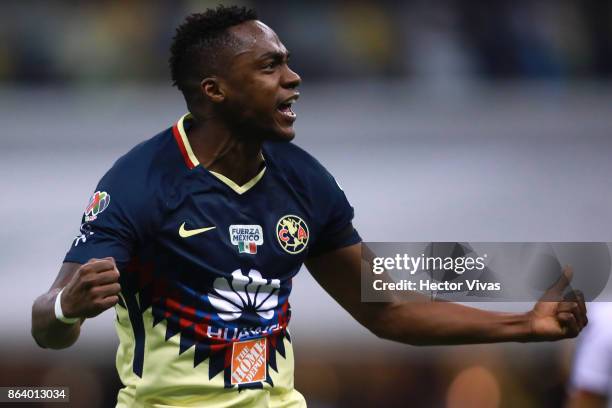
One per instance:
(288,112)
(285,107)
(290,101)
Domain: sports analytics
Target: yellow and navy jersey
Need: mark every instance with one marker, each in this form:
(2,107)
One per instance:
(206,269)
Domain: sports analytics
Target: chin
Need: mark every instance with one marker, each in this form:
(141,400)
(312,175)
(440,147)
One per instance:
(289,135)
(281,135)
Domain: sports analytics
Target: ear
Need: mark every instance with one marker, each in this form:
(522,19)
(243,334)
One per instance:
(212,89)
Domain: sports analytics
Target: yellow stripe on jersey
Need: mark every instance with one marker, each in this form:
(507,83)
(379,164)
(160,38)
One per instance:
(181,128)
(195,162)
(239,189)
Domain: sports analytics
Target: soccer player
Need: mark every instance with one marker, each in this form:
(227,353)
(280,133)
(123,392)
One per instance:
(591,383)
(194,237)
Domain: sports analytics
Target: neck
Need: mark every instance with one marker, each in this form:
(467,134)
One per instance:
(219,149)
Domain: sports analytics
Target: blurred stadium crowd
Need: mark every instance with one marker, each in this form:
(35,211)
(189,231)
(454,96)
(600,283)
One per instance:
(68,42)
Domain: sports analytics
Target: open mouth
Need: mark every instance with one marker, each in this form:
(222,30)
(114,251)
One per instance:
(285,108)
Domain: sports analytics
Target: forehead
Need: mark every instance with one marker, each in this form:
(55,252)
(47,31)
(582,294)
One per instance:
(254,39)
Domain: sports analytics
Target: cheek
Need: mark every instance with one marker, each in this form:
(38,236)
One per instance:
(254,99)
(259,103)
(262,90)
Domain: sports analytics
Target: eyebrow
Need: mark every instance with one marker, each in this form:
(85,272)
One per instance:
(276,55)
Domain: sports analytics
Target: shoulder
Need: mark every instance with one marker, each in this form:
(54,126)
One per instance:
(599,319)
(144,157)
(147,163)
(596,339)
(136,177)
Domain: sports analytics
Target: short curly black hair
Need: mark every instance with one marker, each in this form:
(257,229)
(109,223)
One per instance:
(196,44)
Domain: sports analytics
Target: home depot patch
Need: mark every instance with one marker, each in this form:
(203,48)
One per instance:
(249,361)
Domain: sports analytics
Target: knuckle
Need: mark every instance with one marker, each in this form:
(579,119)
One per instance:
(111,301)
(109,277)
(89,264)
(568,318)
(84,270)
(99,304)
(87,283)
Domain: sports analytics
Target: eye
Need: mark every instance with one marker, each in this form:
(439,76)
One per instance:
(270,66)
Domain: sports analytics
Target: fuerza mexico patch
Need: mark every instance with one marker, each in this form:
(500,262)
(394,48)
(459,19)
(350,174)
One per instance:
(246,238)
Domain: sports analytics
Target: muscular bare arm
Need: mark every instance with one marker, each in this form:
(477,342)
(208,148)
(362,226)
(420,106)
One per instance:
(89,289)
(423,322)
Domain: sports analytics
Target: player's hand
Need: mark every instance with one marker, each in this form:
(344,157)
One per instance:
(93,289)
(556,316)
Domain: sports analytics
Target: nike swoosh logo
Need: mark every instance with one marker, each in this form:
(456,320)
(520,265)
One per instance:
(184,233)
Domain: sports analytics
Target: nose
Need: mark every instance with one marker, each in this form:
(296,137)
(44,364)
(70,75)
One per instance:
(291,79)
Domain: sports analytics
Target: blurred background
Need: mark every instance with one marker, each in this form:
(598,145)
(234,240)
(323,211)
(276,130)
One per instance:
(442,120)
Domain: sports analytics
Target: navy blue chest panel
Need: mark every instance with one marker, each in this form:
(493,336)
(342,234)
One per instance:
(210,231)
(221,263)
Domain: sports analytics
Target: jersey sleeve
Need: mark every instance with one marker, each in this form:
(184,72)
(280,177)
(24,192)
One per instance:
(593,361)
(337,230)
(114,221)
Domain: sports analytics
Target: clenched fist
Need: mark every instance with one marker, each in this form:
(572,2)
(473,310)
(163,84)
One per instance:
(558,314)
(93,289)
